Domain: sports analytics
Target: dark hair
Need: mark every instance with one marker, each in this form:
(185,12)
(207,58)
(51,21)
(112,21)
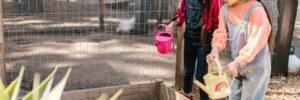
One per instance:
(271,39)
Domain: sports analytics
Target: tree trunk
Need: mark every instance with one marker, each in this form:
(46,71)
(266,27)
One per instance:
(287,11)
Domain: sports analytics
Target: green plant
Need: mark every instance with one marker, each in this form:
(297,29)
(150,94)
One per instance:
(12,91)
(41,91)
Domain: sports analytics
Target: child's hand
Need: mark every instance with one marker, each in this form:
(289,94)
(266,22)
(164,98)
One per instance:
(180,31)
(172,24)
(231,69)
(214,54)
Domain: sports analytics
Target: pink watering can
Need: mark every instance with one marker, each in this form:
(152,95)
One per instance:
(164,39)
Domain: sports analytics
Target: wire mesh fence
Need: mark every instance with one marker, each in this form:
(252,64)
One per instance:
(84,35)
(42,34)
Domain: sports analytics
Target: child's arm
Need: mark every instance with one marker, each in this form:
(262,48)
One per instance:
(215,13)
(259,30)
(219,40)
(181,12)
(180,15)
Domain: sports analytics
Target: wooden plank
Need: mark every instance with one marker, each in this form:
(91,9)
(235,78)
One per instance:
(146,91)
(159,83)
(2,48)
(101,16)
(159,10)
(131,92)
(288,9)
(170,94)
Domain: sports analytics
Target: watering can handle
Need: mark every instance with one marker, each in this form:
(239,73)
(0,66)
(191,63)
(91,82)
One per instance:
(218,65)
(167,28)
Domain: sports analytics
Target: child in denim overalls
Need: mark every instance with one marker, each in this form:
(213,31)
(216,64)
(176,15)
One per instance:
(244,25)
(195,14)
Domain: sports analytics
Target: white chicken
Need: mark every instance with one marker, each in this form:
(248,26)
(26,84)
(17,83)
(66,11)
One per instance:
(126,25)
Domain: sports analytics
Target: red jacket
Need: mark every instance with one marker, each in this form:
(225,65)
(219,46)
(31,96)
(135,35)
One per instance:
(213,8)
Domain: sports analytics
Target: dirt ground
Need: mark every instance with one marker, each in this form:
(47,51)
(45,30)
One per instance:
(108,59)
(67,35)
(284,88)
(98,60)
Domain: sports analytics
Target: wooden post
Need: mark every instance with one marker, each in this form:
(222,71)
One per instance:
(2,48)
(287,12)
(159,83)
(29,6)
(101,16)
(179,58)
(159,10)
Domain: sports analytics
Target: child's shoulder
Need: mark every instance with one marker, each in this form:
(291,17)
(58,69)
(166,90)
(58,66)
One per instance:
(258,10)
(258,13)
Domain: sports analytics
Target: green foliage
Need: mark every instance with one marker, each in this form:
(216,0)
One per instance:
(41,91)
(114,97)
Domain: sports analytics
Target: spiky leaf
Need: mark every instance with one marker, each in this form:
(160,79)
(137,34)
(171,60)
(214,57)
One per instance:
(18,85)
(3,95)
(56,92)
(103,97)
(116,95)
(36,82)
(43,88)
(13,89)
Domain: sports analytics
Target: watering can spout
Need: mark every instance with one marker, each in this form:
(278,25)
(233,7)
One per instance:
(202,86)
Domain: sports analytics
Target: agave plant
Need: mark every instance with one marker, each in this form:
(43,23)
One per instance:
(12,91)
(41,91)
(114,97)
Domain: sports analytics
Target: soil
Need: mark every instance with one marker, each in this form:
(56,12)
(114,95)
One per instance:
(97,59)
(284,88)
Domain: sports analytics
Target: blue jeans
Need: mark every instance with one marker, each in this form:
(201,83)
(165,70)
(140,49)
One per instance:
(193,53)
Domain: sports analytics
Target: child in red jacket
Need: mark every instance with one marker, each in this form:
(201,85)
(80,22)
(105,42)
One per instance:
(200,18)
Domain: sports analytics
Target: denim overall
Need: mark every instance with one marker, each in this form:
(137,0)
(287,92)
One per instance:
(252,83)
(194,52)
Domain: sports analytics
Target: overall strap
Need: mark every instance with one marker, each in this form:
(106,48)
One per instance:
(248,14)
(226,11)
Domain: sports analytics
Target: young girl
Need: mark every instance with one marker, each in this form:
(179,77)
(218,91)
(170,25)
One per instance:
(200,18)
(245,26)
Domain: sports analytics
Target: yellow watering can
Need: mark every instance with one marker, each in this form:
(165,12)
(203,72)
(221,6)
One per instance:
(217,85)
